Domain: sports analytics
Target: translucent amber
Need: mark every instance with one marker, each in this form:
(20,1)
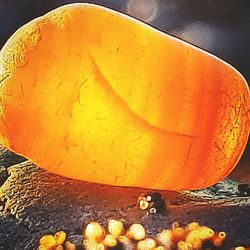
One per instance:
(92,94)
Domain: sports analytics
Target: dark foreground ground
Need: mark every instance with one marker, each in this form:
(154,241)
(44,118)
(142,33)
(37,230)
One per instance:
(34,202)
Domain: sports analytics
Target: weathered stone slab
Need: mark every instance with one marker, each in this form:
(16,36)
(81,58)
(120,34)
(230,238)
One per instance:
(35,202)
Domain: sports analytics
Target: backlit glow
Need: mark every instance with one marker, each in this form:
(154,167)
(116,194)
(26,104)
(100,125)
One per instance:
(146,10)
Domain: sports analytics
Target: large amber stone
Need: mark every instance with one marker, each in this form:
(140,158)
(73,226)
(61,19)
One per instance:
(92,94)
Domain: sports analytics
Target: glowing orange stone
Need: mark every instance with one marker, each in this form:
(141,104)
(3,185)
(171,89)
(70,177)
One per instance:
(92,94)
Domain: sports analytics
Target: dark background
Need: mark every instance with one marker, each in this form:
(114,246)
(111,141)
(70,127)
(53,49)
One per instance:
(219,26)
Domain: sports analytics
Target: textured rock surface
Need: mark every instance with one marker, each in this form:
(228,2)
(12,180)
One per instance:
(35,202)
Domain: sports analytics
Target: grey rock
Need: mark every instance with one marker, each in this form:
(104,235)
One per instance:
(34,202)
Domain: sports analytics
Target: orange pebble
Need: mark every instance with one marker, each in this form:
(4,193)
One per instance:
(178,233)
(122,98)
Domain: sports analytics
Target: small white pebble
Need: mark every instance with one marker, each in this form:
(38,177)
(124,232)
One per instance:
(110,241)
(136,232)
(146,244)
(94,231)
(115,227)
(165,238)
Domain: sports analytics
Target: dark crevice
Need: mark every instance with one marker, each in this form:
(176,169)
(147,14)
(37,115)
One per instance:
(9,158)
(4,78)
(3,175)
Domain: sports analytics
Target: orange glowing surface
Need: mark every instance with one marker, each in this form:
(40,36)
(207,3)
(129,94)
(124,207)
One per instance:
(91,94)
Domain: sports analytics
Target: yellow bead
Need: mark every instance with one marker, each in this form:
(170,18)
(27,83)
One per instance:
(193,238)
(136,232)
(146,244)
(94,231)
(165,238)
(222,235)
(110,241)
(48,241)
(115,227)
(60,237)
(205,233)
